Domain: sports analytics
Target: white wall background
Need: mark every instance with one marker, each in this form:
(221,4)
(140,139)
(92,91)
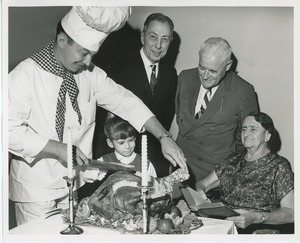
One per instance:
(262,41)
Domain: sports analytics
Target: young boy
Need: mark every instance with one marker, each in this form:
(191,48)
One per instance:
(121,136)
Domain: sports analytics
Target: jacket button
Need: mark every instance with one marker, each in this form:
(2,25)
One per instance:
(199,159)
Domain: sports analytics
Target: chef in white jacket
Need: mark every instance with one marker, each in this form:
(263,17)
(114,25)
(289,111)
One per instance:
(57,89)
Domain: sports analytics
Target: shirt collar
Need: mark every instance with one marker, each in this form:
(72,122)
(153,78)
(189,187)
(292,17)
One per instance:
(146,61)
(125,160)
(212,91)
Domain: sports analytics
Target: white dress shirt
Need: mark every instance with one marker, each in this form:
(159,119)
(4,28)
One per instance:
(200,100)
(148,65)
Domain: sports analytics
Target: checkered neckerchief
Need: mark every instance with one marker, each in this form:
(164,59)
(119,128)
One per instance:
(46,60)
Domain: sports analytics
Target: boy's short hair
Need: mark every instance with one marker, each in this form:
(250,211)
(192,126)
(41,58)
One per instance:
(116,128)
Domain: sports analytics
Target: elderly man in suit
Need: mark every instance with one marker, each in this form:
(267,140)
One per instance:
(211,103)
(144,72)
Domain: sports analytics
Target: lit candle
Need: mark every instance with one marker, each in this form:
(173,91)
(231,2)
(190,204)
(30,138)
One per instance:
(69,154)
(144,161)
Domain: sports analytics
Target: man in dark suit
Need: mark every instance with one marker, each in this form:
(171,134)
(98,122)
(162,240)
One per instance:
(134,71)
(211,103)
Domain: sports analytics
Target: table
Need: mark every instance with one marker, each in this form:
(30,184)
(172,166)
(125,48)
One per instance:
(54,224)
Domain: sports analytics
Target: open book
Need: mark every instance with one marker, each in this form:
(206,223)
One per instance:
(199,203)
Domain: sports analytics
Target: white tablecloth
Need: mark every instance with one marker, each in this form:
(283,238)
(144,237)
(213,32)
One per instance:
(54,224)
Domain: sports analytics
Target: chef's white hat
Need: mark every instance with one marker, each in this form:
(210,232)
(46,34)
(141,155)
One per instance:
(89,26)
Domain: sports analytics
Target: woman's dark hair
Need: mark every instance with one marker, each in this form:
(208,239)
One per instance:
(60,29)
(266,122)
(116,128)
(159,17)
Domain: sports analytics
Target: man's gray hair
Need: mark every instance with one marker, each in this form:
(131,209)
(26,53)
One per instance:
(219,45)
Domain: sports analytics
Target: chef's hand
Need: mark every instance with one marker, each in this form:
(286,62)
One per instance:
(169,148)
(57,150)
(81,159)
(173,153)
(244,219)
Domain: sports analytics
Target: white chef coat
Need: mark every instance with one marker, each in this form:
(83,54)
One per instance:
(32,94)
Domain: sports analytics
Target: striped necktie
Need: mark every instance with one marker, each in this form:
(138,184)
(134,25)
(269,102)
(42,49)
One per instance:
(153,80)
(203,105)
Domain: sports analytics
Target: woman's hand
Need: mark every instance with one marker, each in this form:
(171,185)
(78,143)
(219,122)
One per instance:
(209,182)
(244,219)
(284,215)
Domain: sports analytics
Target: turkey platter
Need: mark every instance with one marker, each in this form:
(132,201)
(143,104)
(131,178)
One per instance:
(118,204)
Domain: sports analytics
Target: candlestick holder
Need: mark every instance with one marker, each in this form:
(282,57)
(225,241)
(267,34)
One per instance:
(72,229)
(145,208)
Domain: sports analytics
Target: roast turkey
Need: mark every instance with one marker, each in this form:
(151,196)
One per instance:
(120,197)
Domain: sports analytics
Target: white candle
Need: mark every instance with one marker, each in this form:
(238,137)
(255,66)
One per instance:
(144,161)
(69,154)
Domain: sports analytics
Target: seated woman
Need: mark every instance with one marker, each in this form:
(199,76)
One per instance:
(258,183)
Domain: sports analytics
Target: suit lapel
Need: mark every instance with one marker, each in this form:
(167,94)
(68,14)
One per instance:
(195,88)
(192,91)
(214,105)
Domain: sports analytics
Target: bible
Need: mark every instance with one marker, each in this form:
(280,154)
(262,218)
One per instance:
(203,207)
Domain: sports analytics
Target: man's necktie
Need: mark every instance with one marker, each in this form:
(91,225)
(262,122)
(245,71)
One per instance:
(68,84)
(153,80)
(46,60)
(203,105)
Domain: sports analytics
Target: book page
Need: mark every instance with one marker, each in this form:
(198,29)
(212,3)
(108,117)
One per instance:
(194,198)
